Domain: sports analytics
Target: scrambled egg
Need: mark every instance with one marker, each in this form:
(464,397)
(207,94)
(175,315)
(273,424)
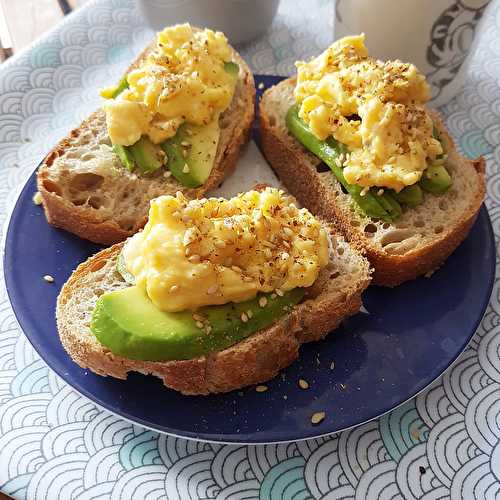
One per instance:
(214,251)
(183,80)
(375,108)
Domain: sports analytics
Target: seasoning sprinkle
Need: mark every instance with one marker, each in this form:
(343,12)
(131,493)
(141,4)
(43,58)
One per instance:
(261,388)
(318,417)
(303,384)
(37,198)
(48,278)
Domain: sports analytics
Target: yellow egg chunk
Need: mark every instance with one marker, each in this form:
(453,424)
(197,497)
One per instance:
(183,80)
(377,109)
(214,251)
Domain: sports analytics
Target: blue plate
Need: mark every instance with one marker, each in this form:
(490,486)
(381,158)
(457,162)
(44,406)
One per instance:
(404,338)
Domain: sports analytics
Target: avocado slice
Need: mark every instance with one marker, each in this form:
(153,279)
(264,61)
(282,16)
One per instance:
(191,152)
(410,195)
(125,156)
(232,68)
(435,179)
(148,156)
(130,325)
(124,272)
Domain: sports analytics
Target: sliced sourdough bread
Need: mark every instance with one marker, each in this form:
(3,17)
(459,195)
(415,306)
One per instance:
(335,295)
(418,242)
(87,191)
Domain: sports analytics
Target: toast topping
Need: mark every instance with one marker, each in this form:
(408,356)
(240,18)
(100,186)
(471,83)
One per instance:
(374,108)
(254,242)
(185,79)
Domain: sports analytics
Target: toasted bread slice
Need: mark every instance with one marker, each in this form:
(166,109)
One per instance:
(87,191)
(418,242)
(335,295)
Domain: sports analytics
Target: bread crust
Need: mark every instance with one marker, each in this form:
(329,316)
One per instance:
(254,360)
(295,167)
(85,222)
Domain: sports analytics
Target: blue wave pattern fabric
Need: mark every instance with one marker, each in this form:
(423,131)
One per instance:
(55,444)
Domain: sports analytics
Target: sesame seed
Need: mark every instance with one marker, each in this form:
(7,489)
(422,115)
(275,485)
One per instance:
(220,243)
(236,269)
(261,86)
(185,144)
(174,288)
(48,278)
(198,317)
(280,292)
(332,365)
(285,255)
(380,192)
(343,387)
(199,325)
(208,328)
(288,231)
(303,384)
(261,388)
(167,174)
(249,313)
(194,258)
(247,279)
(262,302)
(273,296)
(37,198)
(318,417)
(211,290)
(185,169)
(244,317)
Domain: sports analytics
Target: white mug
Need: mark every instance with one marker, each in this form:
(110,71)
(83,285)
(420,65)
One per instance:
(435,35)
(239,20)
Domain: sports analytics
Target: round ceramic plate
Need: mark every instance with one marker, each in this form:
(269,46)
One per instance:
(399,343)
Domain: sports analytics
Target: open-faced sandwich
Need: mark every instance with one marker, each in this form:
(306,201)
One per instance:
(213,294)
(176,121)
(353,141)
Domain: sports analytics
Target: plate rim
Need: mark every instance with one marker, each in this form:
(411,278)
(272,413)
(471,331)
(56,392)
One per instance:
(210,437)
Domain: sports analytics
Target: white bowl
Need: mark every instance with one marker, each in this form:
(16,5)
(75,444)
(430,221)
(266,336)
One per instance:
(240,20)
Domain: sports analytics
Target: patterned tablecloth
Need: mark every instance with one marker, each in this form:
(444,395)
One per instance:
(55,444)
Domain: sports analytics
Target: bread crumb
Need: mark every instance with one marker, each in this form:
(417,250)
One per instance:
(318,417)
(48,278)
(303,384)
(37,198)
(261,388)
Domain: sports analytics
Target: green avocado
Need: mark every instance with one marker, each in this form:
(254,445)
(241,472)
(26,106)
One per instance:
(436,179)
(122,269)
(147,156)
(410,195)
(130,325)
(191,153)
(125,156)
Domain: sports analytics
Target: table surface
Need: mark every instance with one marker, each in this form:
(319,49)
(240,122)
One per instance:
(23,21)
(445,443)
